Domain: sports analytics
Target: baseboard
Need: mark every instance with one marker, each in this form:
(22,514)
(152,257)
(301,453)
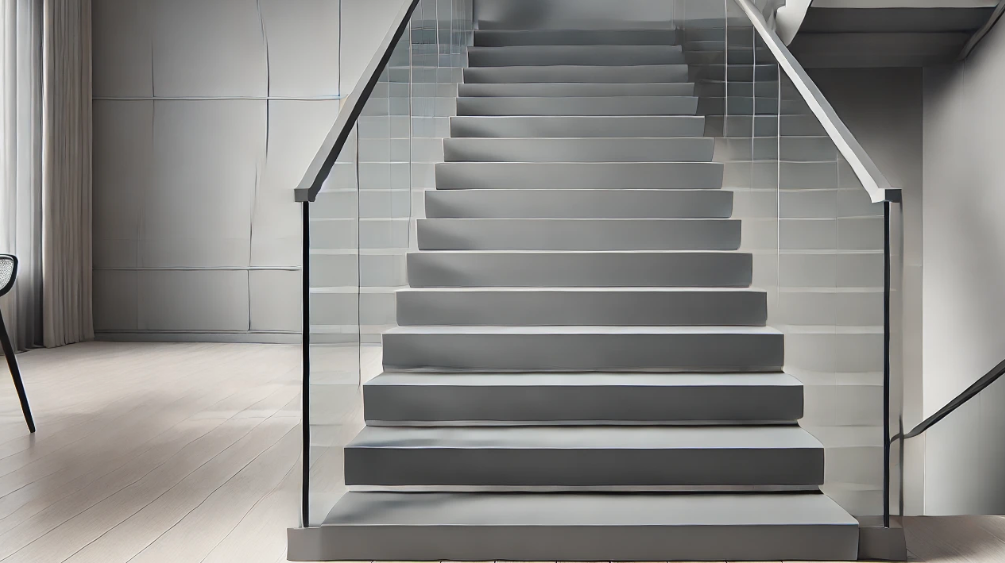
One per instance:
(250,337)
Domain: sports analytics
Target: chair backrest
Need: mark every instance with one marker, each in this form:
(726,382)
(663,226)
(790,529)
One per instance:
(8,272)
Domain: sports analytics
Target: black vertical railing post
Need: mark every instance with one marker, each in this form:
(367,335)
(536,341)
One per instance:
(305,392)
(886,363)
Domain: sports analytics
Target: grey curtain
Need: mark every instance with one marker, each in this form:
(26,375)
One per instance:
(21,165)
(66,173)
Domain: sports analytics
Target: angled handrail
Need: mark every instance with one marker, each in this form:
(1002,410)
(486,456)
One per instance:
(957,402)
(971,43)
(868,173)
(325,158)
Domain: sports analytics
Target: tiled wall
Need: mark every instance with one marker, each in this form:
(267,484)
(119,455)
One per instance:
(206,114)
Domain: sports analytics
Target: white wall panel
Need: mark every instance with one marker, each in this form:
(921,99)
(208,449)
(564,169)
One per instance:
(303,43)
(115,300)
(275,300)
(208,158)
(209,48)
(186,300)
(123,47)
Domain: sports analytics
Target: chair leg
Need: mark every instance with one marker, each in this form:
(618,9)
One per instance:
(8,352)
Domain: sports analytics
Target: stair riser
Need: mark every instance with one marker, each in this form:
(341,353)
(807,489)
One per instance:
(573,127)
(588,55)
(583,467)
(613,204)
(579,150)
(502,38)
(626,105)
(608,404)
(572,543)
(589,352)
(632,74)
(579,175)
(574,90)
(585,308)
(471,269)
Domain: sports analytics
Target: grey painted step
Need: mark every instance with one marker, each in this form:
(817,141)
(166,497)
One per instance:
(575,89)
(573,73)
(501,38)
(622,126)
(578,203)
(578,234)
(581,527)
(581,398)
(585,456)
(578,175)
(578,348)
(595,105)
(656,306)
(586,55)
(583,149)
(579,269)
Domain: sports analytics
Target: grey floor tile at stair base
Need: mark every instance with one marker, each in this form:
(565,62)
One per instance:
(582,306)
(586,456)
(577,126)
(579,269)
(580,398)
(577,527)
(578,204)
(583,149)
(578,234)
(578,348)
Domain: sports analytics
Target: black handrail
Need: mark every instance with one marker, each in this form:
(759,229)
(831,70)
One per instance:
(961,399)
(323,161)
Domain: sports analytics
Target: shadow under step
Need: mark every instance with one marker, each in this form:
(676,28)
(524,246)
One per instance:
(572,306)
(576,73)
(580,527)
(584,348)
(579,204)
(596,105)
(577,126)
(579,175)
(578,234)
(579,269)
(589,149)
(589,55)
(578,456)
(588,37)
(433,399)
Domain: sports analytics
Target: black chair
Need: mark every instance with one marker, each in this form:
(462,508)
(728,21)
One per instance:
(8,273)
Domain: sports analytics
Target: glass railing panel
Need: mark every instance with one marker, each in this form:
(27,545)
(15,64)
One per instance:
(895,401)
(831,303)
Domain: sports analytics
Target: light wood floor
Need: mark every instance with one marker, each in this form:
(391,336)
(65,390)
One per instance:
(180,453)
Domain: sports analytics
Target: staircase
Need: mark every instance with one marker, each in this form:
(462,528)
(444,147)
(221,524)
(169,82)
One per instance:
(582,369)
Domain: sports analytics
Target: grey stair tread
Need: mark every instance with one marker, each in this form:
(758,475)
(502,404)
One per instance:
(578,89)
(577,126)
(579,175)
(559,509)
(576,106)
(584,379)
(581,149)
(602,330)
(576,73)
(588,437)
(574,55)
(578,234)
(472,399)
(503,37)
(543,204)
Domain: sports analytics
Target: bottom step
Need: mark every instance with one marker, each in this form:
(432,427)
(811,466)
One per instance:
(382,526)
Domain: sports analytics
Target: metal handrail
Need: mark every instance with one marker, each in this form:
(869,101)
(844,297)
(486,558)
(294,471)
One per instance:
(868,173)
(325,158)
(957,402)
